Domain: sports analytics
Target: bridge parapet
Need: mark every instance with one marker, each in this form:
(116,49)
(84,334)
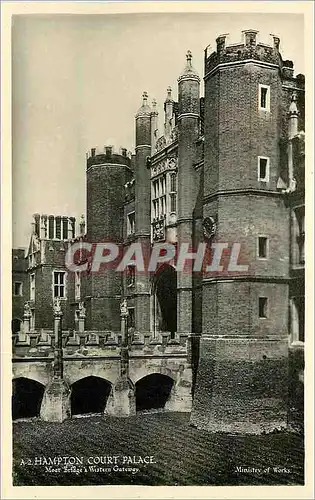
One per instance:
(161,343)
(41,344)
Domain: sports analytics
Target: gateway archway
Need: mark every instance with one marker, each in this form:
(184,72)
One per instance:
(165,300)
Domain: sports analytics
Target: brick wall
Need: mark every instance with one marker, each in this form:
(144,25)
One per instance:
(105,222)
(105,198)
(19,274)
(242,219)
(236,131)
(241,385)
(53,259)
(242,376)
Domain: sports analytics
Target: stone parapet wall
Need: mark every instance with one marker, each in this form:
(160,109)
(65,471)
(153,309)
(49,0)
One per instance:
(97,344)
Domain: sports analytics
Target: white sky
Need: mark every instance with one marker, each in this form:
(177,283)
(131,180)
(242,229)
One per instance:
(77,83)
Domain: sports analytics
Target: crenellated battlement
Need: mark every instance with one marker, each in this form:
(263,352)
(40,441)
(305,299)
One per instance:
(108,154)
(250,48)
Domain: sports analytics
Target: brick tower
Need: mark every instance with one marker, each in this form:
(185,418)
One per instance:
(144,120)
(107,173)
(188,131)
(242,377)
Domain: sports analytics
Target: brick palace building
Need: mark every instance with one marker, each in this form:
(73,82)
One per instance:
(228,167)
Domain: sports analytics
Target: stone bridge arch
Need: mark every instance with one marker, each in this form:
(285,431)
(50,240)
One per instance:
(27,396)
(40,372)
(90,394)
(153,391)
(175,368)
(76,370)
(179,398)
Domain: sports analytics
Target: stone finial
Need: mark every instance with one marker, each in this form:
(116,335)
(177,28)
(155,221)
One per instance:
(293,106)
(27,310)
(293,116)
(145,98)
(82,310)
(189,72)
(276,41)
(169,94)
(57,307)
(43,227)
(145,109)
(33,225)
(123,308)
(154,108)
(82,224)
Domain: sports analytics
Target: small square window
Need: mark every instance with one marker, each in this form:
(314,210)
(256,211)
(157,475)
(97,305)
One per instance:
(18,289)
(264,97)
(263,304)
(263,169)
(262,247)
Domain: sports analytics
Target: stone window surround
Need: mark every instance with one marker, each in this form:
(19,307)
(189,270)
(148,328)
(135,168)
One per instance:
(64,284)
(266,178)
(18,291)
(267,247)
(131,221)
(263,307)
(267,97)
